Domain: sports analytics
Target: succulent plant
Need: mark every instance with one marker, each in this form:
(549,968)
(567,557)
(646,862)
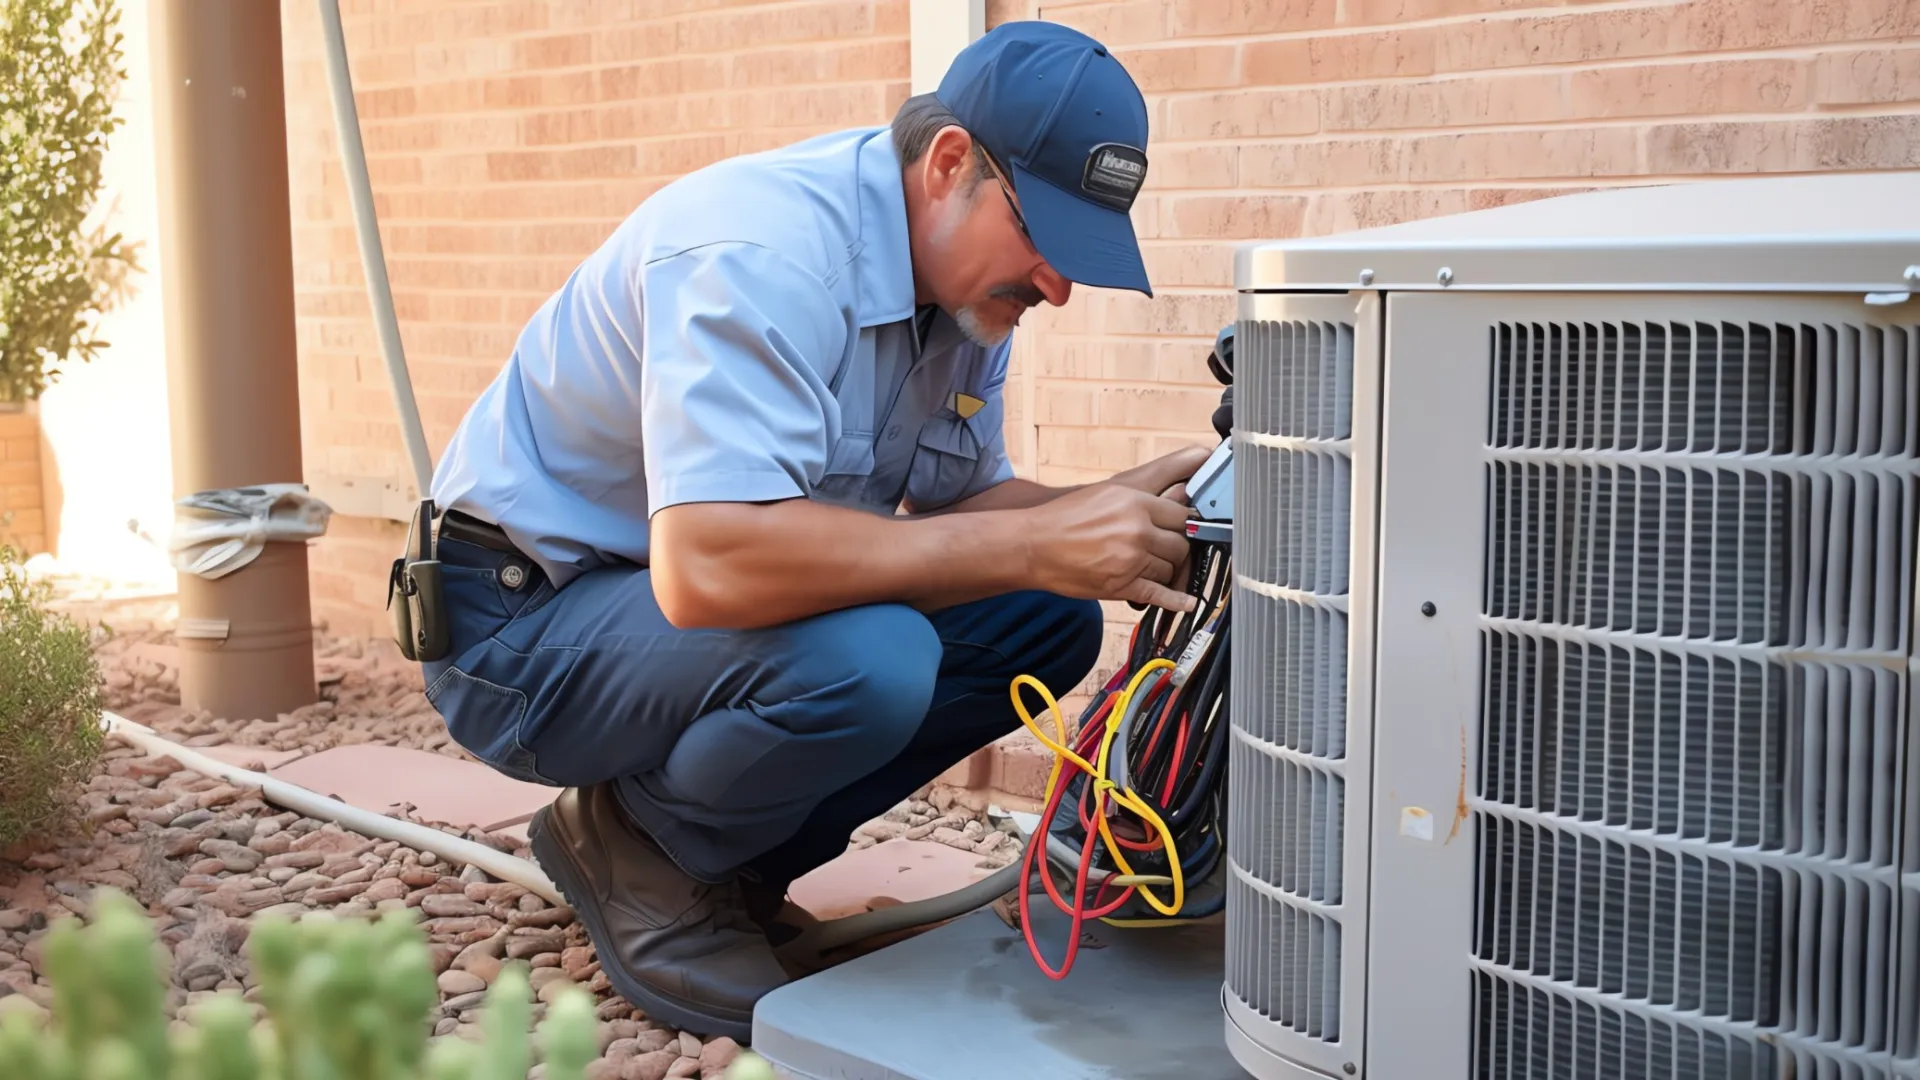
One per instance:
(344,999)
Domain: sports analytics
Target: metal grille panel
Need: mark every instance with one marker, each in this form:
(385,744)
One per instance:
(1295,978)
(1693,778)
(1906,1044)
(1293,460)
(1297,696)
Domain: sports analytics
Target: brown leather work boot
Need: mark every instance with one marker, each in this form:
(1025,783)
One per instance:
(683,952)
(779,918)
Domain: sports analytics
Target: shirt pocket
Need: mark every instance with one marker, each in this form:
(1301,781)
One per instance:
(946,460)
(849,466)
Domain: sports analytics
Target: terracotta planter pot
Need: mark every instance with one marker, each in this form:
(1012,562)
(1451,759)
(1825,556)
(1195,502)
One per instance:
(25,507)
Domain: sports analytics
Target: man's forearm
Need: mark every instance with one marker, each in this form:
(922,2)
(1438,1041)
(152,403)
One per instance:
(713,566)
(1156,476)
(1153,477)
(1015,494)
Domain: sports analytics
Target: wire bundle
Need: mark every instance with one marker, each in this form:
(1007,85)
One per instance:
(1143,776)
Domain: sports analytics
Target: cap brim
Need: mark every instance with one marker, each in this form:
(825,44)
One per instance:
(1087,243)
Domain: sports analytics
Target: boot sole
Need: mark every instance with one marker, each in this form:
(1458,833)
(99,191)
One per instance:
(567,877)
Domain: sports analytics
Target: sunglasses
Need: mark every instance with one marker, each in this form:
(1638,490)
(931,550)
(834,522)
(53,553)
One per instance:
(1000,177)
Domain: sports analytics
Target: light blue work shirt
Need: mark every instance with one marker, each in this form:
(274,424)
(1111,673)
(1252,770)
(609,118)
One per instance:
(746,335)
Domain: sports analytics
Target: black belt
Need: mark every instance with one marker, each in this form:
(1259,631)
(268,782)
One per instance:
(455,525)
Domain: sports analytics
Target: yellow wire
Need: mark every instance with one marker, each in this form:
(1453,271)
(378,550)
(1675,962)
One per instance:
(1102,786)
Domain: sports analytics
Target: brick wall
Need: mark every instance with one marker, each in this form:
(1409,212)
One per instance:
(1306,117)
(505,140)
(23,500)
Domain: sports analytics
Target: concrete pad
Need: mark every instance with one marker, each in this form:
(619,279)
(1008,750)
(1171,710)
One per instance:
(439,788)
(900,871)
(965,1001)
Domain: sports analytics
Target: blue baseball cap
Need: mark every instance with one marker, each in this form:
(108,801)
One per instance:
(1066,123)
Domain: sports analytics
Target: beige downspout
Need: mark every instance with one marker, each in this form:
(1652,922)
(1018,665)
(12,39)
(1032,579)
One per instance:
(246,639)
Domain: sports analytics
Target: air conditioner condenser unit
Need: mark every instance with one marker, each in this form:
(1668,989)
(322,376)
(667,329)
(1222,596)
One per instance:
(1574,669)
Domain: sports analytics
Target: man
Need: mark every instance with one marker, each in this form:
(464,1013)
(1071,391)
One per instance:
(732,549)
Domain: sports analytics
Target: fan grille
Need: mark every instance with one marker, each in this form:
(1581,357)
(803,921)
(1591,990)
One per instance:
(1293,458)
(1696,828)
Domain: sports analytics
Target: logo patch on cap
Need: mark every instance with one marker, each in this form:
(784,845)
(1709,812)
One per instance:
(1114,175)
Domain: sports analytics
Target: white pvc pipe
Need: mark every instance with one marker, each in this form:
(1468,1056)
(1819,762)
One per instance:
(828,935)
(353,161)
(457,849)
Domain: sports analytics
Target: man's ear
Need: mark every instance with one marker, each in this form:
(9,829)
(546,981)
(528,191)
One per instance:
(948,163)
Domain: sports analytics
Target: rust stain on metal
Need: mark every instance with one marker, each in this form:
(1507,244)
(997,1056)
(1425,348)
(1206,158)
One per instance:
(1460,810)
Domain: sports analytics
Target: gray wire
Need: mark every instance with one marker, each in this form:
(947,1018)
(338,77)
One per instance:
(839,933)
(373,262)
(1117,762)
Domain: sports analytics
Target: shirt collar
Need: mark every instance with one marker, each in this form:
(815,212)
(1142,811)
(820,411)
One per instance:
(884,261)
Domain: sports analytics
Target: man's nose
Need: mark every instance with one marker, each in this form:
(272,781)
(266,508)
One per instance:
(1051,285)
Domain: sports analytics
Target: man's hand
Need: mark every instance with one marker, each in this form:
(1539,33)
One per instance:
(1111,542)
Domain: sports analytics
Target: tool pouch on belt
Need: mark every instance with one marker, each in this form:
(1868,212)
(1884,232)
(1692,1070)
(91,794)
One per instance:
(415,599)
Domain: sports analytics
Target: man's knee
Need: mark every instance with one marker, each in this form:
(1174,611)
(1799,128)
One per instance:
(871,669)
(1082,629)
(1066,635)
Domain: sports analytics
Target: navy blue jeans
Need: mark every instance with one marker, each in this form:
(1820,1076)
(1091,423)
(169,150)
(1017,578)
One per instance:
(754,752)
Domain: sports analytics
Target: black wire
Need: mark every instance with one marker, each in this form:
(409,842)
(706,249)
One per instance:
(1200,705)
(1151,749)
(1213,699)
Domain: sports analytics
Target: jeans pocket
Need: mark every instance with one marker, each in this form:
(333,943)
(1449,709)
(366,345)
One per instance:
(486,718)
(473,607)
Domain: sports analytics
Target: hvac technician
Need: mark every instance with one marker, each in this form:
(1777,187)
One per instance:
(676,581)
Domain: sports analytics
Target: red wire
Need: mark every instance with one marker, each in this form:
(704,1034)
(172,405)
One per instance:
(1090,738)
(1179,750)
(1086,817)
(1086,742)
(1165,712)
(1078,912)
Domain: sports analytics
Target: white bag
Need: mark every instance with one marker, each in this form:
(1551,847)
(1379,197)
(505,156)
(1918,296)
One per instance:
(218,532)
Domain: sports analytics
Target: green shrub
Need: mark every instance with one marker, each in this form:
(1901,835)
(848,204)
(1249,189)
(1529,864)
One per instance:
(343,999)
(59,74)
(50,702)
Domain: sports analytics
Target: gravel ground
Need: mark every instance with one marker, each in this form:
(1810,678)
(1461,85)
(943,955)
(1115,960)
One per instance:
(206,857)
(368,694)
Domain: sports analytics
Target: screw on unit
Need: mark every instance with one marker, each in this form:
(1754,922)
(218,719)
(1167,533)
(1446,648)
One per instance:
(1445,277)
(1366,277)
(1428,609)
(1913,276)
(1351,1068)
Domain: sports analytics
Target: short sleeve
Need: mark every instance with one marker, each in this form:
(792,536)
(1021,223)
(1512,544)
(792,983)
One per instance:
(738,344)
